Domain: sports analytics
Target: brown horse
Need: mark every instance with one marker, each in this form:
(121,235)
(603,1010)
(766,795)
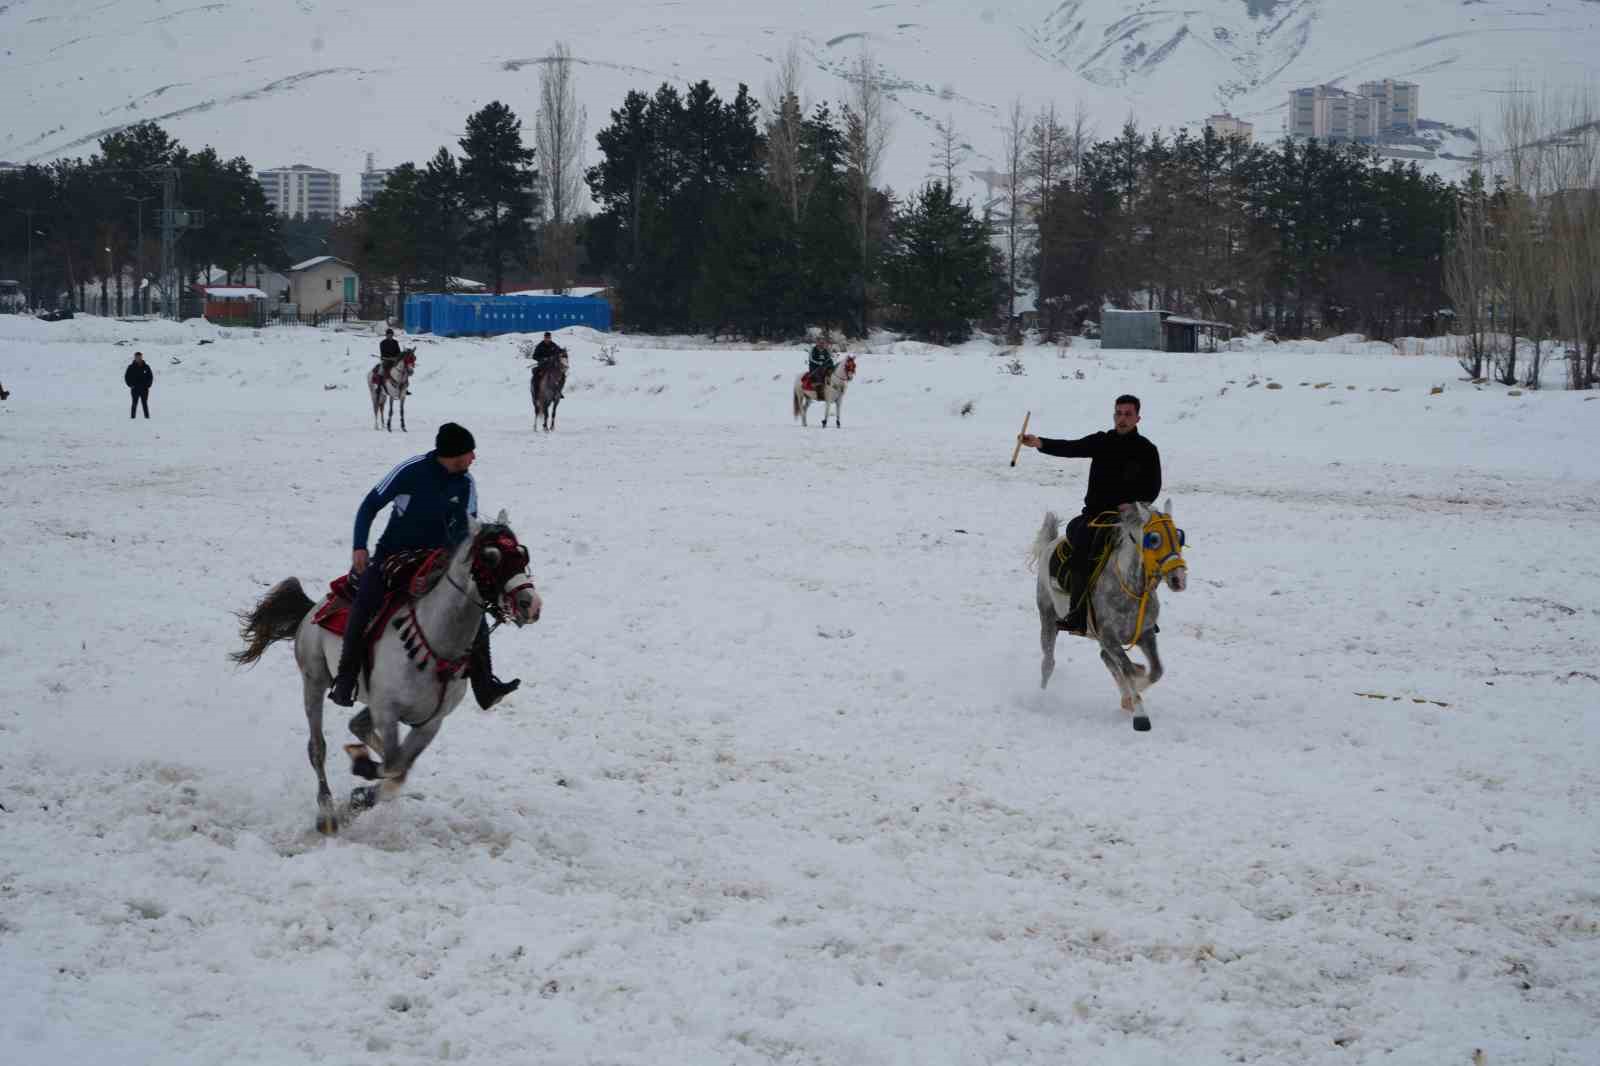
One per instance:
(549,379)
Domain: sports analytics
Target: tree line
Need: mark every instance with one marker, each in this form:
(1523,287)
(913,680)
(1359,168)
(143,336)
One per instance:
(760,219)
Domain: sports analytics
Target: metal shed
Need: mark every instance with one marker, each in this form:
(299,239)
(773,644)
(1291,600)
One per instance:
(1160,331)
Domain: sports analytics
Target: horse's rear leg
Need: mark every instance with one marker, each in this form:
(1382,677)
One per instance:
(1047,641)
(402,412)
(317,749)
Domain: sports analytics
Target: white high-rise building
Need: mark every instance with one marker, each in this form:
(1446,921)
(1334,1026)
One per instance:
(1225,125)
(301,191)
(372,179)
(1395,104)
(1376,109)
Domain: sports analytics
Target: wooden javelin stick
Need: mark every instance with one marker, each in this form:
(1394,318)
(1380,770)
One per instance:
(1018,449)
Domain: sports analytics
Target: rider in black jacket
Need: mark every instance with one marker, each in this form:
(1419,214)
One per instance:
(1125,468)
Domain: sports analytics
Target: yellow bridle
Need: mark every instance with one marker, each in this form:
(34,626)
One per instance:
(1160,551)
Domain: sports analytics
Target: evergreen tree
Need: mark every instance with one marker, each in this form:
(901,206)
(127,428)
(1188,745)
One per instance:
(440,233)
(499,189)
(941,269)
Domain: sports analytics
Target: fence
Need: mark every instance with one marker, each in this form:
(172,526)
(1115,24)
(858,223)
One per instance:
(261,316)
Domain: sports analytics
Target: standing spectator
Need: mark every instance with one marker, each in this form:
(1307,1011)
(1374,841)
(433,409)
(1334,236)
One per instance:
(139,377)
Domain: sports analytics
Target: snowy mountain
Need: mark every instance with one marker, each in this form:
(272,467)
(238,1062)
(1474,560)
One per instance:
(323,83)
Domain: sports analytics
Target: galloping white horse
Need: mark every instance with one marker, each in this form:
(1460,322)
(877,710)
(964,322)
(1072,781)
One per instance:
(418,663)
(1123,608)
(831,393)
(390,389)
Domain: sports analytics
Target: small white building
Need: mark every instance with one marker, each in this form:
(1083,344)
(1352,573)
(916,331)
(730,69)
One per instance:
(326,283)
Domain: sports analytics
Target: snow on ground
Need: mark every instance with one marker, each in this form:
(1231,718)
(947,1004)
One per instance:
(780,785)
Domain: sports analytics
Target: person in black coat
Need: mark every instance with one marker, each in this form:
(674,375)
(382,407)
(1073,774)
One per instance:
(1125,468)
(139,377)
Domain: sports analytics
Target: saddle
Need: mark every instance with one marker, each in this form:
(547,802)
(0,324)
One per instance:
(406,576)
(1061,573)
(815,381)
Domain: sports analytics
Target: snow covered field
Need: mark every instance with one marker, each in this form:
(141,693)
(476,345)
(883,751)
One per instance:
(780,785)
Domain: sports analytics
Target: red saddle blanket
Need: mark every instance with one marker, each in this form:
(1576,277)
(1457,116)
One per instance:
(406,575)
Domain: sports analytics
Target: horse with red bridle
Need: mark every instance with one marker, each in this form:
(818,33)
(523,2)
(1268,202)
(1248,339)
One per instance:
(389,387)
(830,392)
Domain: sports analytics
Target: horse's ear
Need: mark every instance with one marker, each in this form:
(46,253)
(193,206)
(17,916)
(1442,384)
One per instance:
(501,519)
(1167,507)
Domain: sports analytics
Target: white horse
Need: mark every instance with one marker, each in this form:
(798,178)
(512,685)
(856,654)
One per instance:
(418,664)
(389,389)
(1123,607)
(831,393)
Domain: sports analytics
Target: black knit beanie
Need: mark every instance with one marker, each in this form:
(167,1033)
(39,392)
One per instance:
(453,440)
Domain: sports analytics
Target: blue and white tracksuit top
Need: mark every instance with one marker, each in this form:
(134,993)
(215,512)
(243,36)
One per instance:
(431,506)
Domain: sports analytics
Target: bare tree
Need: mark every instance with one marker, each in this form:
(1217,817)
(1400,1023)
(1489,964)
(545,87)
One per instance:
(1575,235)
(950,152)
(784,130)
(1523,255)
(867,128)
(559,132)
(1079,139)
(1013,194)
(1467,274)
(1046,161)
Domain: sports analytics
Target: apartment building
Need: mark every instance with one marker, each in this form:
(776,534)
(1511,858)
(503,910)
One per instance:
(1377,109)
(373,179)
(301,191)
(1225,125)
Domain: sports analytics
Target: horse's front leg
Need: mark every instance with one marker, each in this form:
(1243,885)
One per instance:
(317,749)
(1124,673)
(396,767)
(1147,676)
(402,412)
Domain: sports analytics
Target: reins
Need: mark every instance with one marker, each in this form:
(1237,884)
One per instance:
(1155,570)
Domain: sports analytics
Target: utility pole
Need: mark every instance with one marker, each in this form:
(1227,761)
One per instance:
(169,242)
(28,213)
(141,294)
(173,219)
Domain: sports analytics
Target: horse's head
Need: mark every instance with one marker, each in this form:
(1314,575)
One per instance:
(849,368)
(1160,543)
(499,566)
(408,356)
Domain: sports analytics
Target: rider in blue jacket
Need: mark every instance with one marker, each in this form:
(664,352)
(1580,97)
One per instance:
(431,497)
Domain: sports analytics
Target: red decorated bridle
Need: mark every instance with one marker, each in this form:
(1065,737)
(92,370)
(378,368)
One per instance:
(498,558)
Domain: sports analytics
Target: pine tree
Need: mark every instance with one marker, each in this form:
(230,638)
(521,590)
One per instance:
(499,189)
(942,271)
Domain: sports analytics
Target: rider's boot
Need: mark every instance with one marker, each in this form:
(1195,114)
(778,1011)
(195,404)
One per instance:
(353,651)
(1077,620)
(344,684)
(487,689)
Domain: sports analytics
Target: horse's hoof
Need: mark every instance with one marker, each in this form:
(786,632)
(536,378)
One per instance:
(364,799)
(1141,724)
(328,824)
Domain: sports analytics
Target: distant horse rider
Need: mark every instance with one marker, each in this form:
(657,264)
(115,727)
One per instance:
(433,497)
(1126,468)
(820,366)
(388,351)
(546,350)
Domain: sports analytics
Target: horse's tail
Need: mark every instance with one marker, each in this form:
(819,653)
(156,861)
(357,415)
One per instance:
(1049,530)
(796,398)
(275,617)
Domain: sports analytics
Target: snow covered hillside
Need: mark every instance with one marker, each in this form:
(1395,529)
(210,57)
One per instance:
(324,83)
(780,785)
